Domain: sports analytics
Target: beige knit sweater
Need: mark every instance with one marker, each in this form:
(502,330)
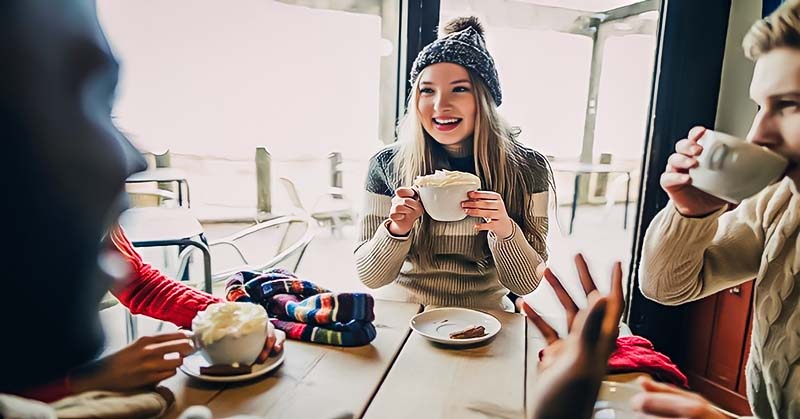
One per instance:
(462,274)
(685,259)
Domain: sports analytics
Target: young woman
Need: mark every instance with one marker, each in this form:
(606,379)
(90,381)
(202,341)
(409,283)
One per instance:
(452,123)
(719,249)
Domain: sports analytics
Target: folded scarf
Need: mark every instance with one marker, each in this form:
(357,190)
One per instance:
(306,311)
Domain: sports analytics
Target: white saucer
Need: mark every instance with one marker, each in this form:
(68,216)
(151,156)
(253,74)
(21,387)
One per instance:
(614,400)
(437,324)
(192,363)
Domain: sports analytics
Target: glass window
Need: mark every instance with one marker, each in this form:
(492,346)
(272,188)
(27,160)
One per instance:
(211,82)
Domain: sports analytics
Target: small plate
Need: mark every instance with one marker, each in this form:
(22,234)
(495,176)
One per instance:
(437,324)
(192,363)
(614,400)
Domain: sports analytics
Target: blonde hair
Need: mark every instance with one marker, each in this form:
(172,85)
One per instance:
(504,165)
(780,29)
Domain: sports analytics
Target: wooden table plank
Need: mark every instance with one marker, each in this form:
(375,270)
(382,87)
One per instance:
(434,381)
(189,392)
(323,381)
(535,342)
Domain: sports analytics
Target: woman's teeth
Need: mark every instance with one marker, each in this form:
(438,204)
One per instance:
(449,121)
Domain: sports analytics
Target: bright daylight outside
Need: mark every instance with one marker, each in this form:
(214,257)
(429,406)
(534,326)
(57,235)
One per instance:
(272,108)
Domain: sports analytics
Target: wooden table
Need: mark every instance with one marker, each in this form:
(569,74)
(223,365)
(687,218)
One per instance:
(435,381)
(399,375)
(314,380)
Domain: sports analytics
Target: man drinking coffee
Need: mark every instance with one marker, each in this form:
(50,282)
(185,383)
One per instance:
(695,247)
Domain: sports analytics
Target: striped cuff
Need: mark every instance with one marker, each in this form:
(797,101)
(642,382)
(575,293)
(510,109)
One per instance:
(516,262)
(385,225)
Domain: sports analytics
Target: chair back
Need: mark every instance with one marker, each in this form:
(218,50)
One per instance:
(277,243)
(291,190)
(296,238)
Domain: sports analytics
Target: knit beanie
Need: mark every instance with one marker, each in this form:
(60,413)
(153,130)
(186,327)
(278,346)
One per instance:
(461,42)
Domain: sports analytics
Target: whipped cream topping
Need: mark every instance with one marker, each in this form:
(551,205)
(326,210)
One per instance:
(448,178)
(228,319)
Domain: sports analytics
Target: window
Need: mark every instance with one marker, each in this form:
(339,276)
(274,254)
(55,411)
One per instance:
(576,78)
(211,82)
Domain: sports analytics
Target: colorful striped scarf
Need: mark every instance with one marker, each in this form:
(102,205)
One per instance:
(306,311)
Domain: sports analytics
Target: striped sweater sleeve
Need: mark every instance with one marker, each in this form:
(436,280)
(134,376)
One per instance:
(379,254)
(521,260)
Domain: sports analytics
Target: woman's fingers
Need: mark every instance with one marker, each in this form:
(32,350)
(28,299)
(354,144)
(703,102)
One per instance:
(482,204)
(183,347)
(165,337)
(488,214)
(487,195)
(405,192)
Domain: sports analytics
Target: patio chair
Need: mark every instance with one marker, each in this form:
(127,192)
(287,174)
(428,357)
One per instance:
(142,195)
(280,242)
(330,209)
(131,325)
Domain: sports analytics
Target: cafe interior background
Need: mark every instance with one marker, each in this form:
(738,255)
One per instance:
(274,107)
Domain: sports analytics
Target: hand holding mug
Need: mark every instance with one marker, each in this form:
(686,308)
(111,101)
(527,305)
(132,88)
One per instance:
(677,182)
(406,209)
(661,400)
(489,206)
(273,345)
(141,364)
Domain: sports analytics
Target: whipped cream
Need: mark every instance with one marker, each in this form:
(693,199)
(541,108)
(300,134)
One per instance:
(228,319)
(448,178)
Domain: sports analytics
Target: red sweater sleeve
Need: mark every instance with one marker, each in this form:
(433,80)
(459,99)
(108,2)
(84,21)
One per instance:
(153,294)
(48,393)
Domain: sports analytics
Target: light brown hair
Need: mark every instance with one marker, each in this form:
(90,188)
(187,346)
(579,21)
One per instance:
(780,29)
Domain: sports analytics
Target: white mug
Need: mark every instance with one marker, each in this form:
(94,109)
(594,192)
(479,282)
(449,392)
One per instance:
(733,169)
(443,203)
(614,400)
(229,350)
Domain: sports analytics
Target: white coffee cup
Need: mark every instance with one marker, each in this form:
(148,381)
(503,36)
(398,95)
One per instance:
(614,400)
(443,203)
(224,339)
(733,169)
(232,350)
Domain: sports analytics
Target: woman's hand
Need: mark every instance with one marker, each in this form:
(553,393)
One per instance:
(273,345)
(141,364)
(489,206)
(666,401)
(677,182)
(406,209)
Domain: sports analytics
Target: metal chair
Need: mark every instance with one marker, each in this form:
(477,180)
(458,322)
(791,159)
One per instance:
(253,253)
(331,209)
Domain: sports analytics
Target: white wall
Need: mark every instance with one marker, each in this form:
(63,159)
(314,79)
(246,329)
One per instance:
(735,111)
